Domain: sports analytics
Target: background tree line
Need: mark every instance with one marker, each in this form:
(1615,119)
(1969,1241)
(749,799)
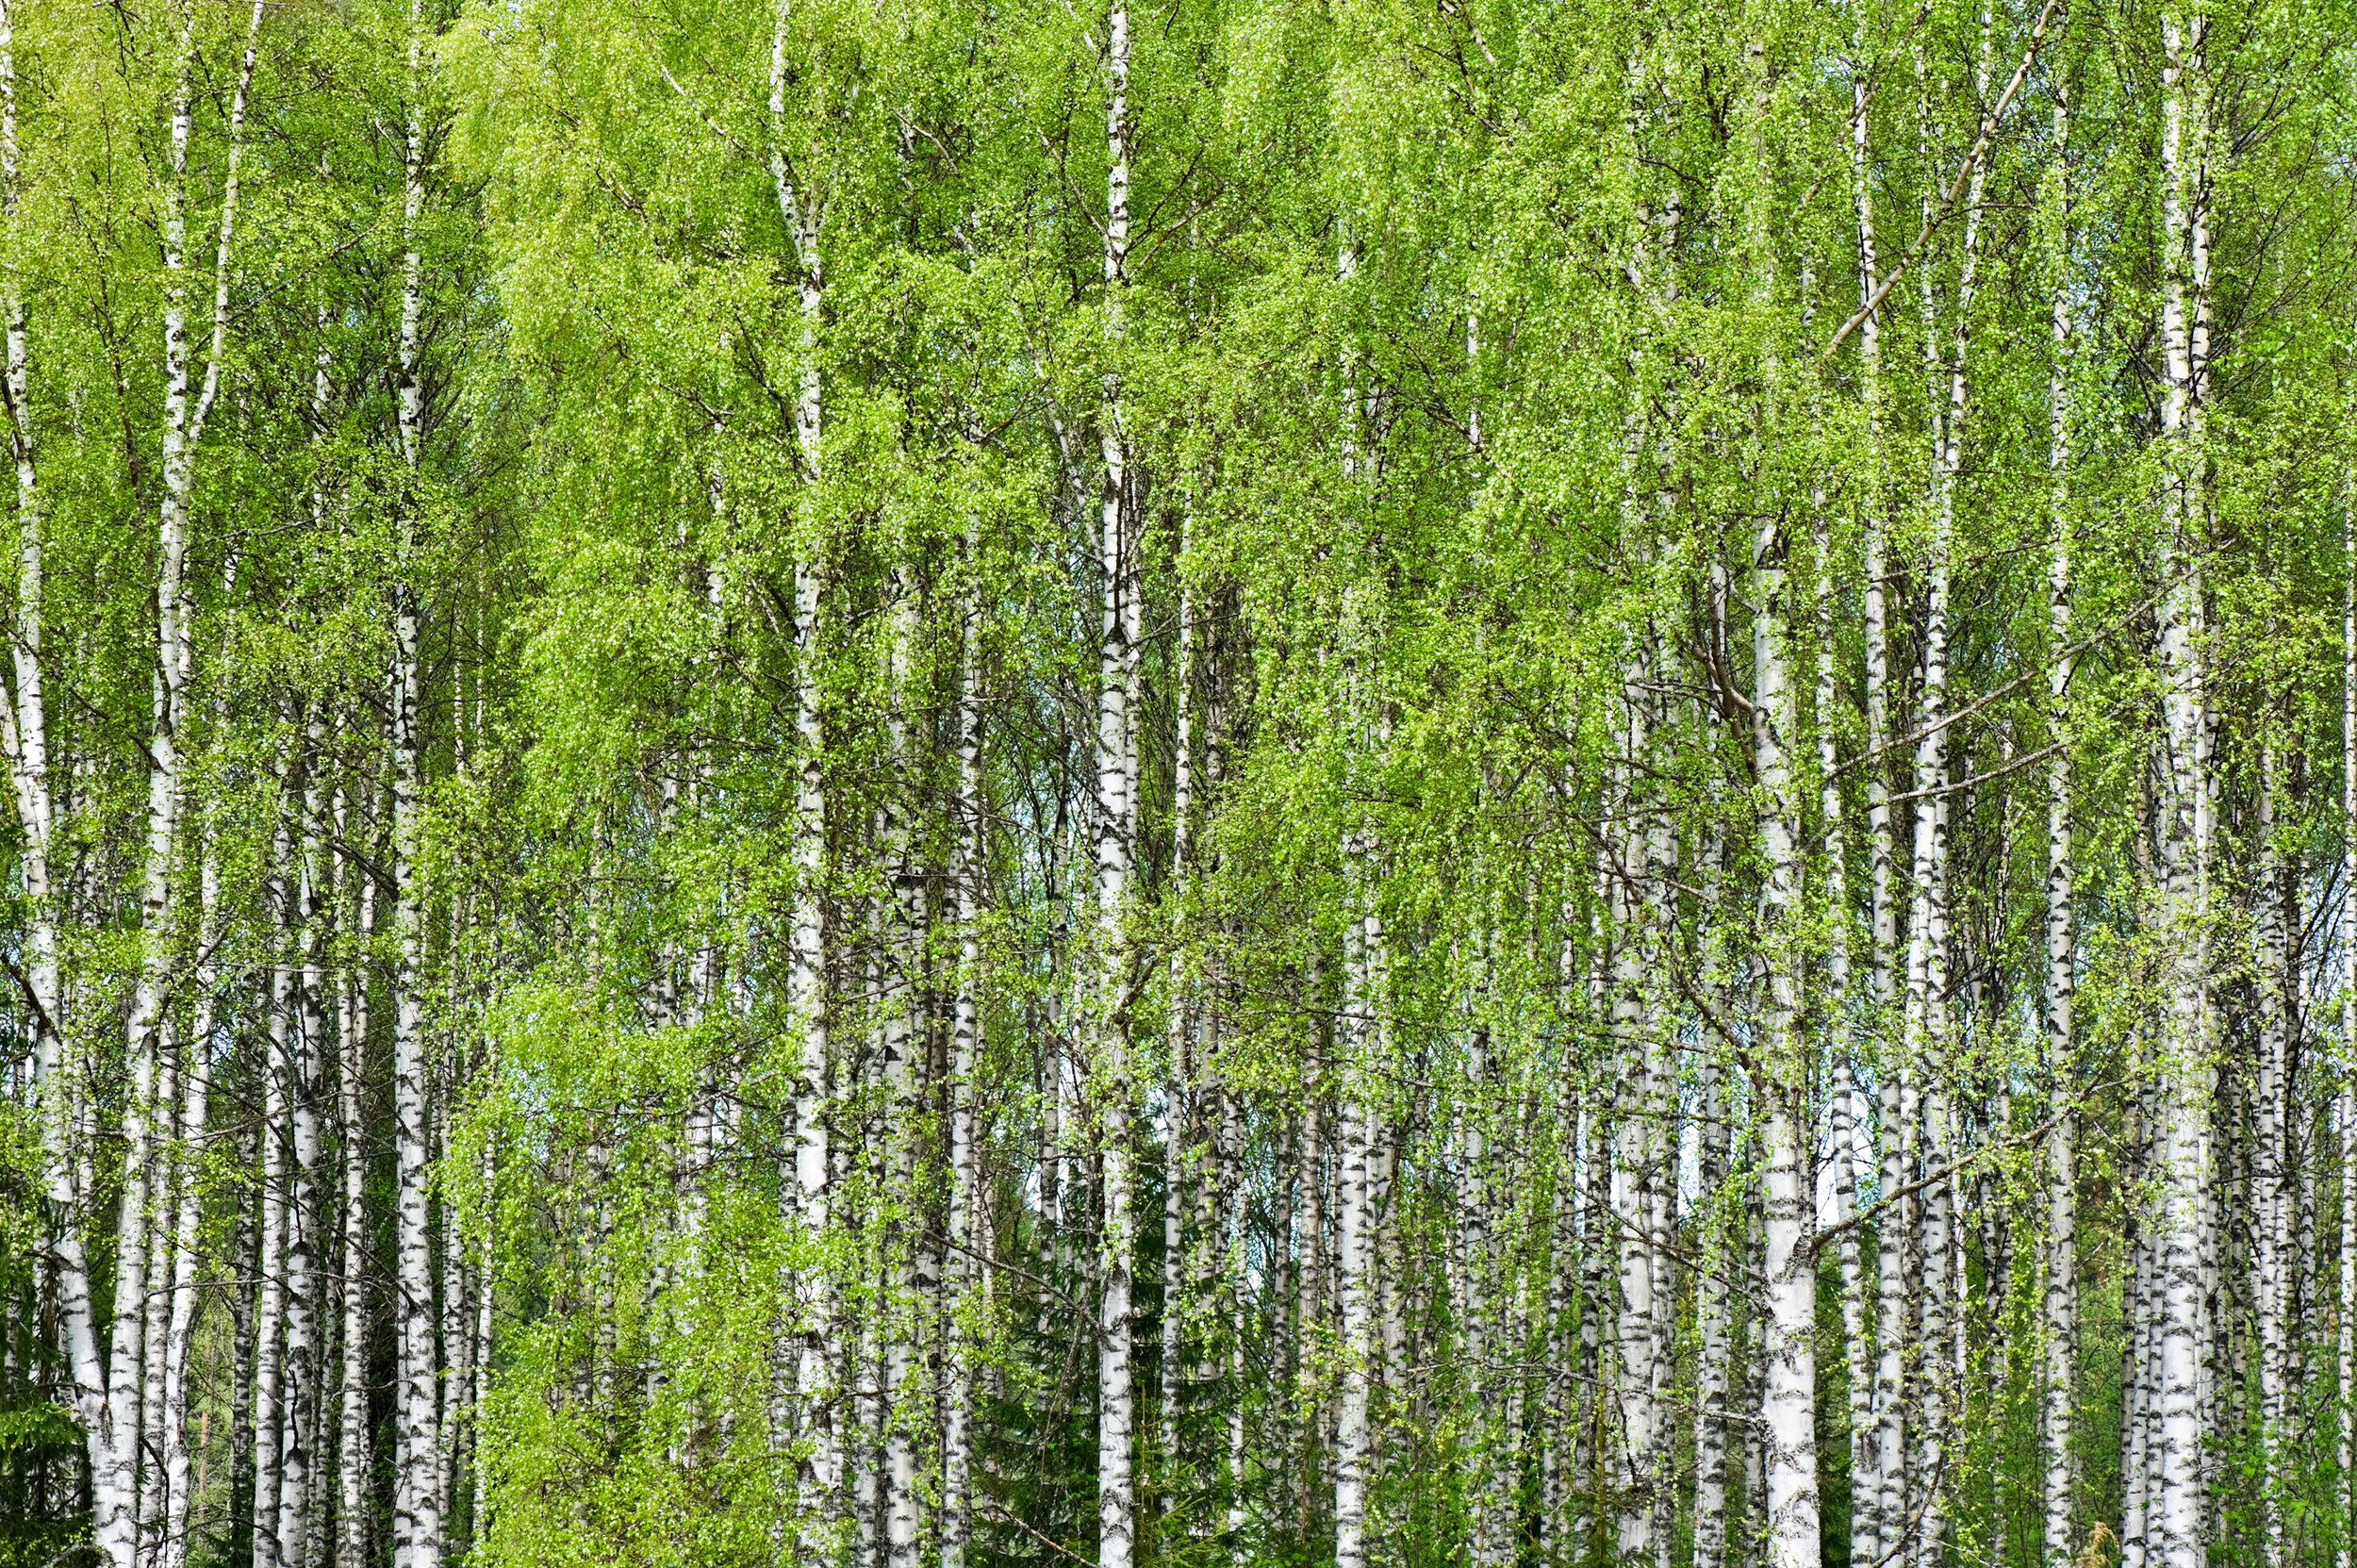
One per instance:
(1509,784)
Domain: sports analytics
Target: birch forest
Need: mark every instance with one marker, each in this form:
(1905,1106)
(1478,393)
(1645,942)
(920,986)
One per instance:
(1402,783)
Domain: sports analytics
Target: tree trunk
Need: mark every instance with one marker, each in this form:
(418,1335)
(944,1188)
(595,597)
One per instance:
(900,1001)
(355,1462)
(2270,1096)
(1360,1052)
(1179,1109)
(1116,806)
(2345,1103)
(819,1406)
(2062,1285)
(417,1429)
(965,1195)
(269,1356)
(1790,1390)
(1721,1246)
(2180,1136)
(171,1542)
(309,1027)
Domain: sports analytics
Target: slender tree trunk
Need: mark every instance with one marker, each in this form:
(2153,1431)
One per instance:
(1598,1239)
(1838,1007)
(2269,1098)
(1714,1317)
(355,1462)
(270,1357)
(2345,1114)
(965,1195)
(1790,1391)
(2181,1139)
(171,1544)
(245,1352)
(308,1040)
(1181,1106)
(902,1029)
(819,1405)
(2062,1178)
(1879,1517)
(1116,1491)
(2135,1387)
(416,1429)
(2345,1103)
(111,1413)
(1787,1432)
(53,1095)
(1929,1011)
(1240,1241)
(1362,1050)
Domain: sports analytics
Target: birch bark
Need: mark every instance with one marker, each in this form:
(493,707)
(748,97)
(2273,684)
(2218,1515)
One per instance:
(1790,1391)
(170,1546)
(53,1095)
(1715,1322)
(1363,938)
(355,1461)
(1117,651)
(2270,1096)
(1180,1107)
(1879,1518)
(270,1360)
(2182,1141)
(965,1044)
(2061,1302)
(2345,1103)
(416,1429)
(1930,1015)
(113,1421)
(1838,1011)
(900,1001)
(820,1408)
(306,919)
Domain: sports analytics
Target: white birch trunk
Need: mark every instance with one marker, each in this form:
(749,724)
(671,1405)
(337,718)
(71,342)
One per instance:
(1714,1321)
(1363,938)
(1633,1177)
(113,1419)
(2136,1387)
(900,945)
(2345,1103)
(270,1309)
(171,1541)
(1879,1521)
(1929,1011)
(307,1044)
(2270,1096)
(354,1462)
(1789,1392)
(1232,1145)
(1838,1007)
(965,1197)
(1180,1107)
(2182,1157)
(2345,1113)
(820,1408)
(2061,1302)
(1116,1491)
(53,1095)
(416,1434)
